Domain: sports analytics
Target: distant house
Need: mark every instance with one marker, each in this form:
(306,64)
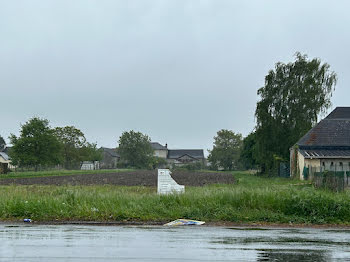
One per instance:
(185,156)
(160,150)
(6,149)
(178,156)
(324,147)
(5,162)
(110,158)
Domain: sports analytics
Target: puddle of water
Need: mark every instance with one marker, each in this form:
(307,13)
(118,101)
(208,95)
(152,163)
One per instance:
(293,255)
(158,243)
(248,228)
(345,231)
(279,240)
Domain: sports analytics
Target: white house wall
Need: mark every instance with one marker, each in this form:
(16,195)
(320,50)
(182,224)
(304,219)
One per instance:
(317,164)
(301,165)
(161,153)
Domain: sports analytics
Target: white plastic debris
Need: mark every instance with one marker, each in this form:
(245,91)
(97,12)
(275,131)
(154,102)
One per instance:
(166,184)
(184,222)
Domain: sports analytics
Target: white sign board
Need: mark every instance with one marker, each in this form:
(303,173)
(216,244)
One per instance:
(166,184)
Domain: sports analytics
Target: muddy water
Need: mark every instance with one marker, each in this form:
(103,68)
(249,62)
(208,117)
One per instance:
(112,243)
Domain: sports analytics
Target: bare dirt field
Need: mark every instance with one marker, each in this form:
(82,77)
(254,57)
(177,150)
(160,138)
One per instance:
(130,178)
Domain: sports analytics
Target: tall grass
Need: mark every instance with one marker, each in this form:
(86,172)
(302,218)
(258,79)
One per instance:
(252,199)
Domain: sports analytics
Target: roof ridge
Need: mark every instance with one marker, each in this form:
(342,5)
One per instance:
(331,131)
(187,149)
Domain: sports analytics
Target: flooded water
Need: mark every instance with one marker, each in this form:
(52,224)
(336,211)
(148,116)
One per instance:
(150,243)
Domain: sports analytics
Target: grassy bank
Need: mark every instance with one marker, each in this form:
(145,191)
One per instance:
(58,173)
(252,199)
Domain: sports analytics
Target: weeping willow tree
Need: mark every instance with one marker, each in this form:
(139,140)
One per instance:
(293,96)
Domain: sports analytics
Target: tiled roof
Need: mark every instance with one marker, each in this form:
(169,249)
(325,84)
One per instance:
(6,149)
(333,131)
(157,146)
(4,156)
(326,153)
(177,153)
(340,113)
(111,151)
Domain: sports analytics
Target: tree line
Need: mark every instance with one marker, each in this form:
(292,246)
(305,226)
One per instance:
(291,100)
(40,146)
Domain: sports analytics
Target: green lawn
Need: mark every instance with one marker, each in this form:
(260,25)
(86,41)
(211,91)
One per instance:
(252,199)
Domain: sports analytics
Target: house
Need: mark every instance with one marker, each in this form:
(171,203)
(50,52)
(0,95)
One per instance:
(185,156)
(110,158)
(178,156)
(324,147)
(6,150)
(160,150)
(4,162)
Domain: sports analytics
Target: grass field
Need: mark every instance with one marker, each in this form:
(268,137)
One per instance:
(252,199)
(58,173)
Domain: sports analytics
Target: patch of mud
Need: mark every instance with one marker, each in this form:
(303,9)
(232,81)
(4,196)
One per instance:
(129,178)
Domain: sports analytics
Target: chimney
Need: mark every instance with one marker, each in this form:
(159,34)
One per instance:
(166,145)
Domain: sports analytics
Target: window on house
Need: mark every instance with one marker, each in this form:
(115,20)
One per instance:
(323,164)
(340,163)
(332,164)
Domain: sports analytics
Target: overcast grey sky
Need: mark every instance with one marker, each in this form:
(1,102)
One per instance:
(176,70)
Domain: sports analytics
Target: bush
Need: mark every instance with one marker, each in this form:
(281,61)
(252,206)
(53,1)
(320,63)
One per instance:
(158,162)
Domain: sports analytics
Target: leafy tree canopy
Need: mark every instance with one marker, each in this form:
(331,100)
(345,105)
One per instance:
(36,146)
(69,135)
(247,157)
(72,140)
(135,149)
(293,96)
(90,152)
(226,150)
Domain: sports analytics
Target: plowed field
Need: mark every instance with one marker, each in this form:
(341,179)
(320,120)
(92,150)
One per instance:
(130,178)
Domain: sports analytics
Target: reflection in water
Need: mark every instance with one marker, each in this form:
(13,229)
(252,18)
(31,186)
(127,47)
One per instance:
(279,240)
(248,228)
(294,255)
